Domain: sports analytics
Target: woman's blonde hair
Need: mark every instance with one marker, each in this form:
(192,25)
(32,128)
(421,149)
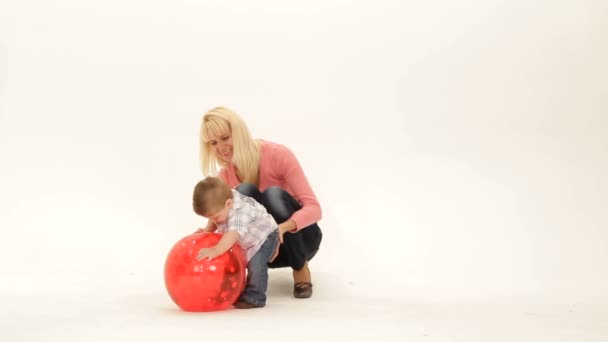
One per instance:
(245,150)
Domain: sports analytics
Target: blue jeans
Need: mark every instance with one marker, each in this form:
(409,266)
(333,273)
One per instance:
(298,247)
(257,271)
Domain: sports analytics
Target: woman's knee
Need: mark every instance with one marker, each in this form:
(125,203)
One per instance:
(274,194)
(247,189)
(279,203)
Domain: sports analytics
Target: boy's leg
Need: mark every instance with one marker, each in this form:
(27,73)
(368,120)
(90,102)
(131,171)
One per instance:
(257,274)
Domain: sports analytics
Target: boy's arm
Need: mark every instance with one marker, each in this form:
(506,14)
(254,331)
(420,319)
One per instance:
(211,227)
(228,240)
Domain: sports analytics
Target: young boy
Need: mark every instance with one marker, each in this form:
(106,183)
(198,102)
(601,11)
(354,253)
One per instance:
(240,219)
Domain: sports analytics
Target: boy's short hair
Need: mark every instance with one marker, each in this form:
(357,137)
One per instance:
(210,195)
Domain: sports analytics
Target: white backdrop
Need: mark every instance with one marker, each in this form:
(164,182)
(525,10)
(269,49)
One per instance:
(458,148)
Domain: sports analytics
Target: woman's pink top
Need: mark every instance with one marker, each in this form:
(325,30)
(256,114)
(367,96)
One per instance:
(279,167)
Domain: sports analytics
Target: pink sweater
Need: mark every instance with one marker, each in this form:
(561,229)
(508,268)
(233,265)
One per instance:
(279,167)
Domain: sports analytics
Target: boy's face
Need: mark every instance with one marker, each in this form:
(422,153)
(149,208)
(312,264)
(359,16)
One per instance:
(221,215)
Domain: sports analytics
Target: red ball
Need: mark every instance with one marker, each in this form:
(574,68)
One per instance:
(206,285)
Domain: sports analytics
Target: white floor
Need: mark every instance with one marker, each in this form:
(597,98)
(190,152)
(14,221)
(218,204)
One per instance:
(331,314)
(457,148)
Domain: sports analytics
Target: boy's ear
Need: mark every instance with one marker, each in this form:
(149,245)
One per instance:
(229,203)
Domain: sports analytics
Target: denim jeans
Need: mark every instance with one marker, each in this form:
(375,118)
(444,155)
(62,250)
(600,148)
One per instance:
(297,248)
(257,271)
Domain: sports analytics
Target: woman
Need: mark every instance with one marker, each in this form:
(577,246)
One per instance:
(271,174)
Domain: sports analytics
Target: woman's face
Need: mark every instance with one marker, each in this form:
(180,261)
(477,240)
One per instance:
(222,146)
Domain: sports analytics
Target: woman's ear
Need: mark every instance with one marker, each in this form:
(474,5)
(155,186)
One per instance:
(229,203)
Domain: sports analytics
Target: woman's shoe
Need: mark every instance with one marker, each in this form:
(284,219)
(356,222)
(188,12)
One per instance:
(302,287)
(302,290)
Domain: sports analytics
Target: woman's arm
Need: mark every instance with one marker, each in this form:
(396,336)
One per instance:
(288,167)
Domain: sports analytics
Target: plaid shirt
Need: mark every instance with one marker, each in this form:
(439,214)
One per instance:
(251,220)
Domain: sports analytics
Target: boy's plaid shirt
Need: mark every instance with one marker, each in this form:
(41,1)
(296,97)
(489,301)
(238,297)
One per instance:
(251,220)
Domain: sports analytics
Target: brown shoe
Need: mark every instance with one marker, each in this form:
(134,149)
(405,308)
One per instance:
(302,290)
(243,304)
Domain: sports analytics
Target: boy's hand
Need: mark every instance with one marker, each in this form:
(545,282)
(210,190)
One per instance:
(207,253)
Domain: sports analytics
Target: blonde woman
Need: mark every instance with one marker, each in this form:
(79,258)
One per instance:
(271,174)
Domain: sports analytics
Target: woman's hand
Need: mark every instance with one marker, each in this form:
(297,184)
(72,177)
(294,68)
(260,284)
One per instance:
(285,227)
(275,254)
